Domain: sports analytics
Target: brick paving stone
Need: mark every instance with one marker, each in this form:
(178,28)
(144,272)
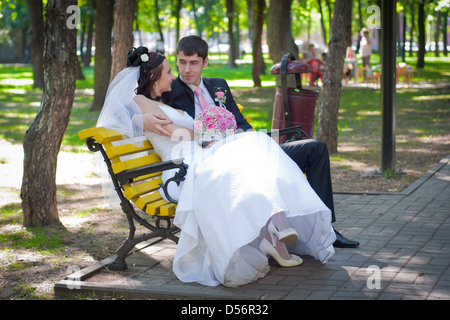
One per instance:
(299,294)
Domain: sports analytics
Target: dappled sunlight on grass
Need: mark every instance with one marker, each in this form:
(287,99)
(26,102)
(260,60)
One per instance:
(85,91)
(349,164)
(430,97)
(443,140)
(422,135)
(368,113)
(421,145)
(249,83)
(16,82)
(346,147)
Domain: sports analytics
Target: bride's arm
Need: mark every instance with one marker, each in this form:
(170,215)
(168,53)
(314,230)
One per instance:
(153,117)
(155,120)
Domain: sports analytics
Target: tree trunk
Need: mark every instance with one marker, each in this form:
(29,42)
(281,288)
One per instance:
(82,35)
(198,24)
(279,30)
(402,46)
(421,26)
(309,28)
(35,14)
(123,35)
(158,22)
(411,36)
(232,50)
(444,32)
(178,7)
(237,35)
(87,57)
(437,33)
(43,139)
(361,25)
(20,49)
(102,67)
(329,102)
(322,23)
(330,13)
(80,75)
(256,20)
(360,19)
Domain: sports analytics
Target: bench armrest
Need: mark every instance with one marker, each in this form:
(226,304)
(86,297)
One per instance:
(127,176)
(291,130)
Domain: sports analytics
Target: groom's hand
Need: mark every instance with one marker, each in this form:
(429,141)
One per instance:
(154,123)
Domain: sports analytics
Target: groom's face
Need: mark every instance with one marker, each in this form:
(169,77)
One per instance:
(191,67)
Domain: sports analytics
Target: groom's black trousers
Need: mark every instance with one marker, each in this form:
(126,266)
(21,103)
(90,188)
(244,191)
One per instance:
(313,159)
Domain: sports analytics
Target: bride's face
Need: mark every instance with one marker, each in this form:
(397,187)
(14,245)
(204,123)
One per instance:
(164,82)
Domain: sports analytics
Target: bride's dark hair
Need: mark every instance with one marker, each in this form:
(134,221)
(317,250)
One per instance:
(148,74)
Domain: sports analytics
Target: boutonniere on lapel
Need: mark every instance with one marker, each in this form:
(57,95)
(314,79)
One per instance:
(220,94)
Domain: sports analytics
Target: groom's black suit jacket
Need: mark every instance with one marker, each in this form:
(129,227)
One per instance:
(182,97)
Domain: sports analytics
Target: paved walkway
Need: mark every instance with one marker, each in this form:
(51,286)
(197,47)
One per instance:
(404,254)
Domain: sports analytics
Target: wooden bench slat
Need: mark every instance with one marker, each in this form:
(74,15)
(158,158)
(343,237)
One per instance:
(153,204)
(154,207)
(100,134)
(135,163)
(134,191)
(168,210)
(146,199)
(87,133)
(127,149)
(108,136)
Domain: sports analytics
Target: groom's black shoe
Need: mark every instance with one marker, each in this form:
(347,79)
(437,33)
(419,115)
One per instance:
(343,242)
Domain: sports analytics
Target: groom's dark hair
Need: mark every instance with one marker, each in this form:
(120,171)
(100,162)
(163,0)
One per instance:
(191,45)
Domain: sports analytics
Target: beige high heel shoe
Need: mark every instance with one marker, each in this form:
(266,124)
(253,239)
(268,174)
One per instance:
(288,235)
(268,249)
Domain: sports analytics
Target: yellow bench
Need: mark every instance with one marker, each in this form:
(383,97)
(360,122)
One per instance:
(135,170)
(241,107)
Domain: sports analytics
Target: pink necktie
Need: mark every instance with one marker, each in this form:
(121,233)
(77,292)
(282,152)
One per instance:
(203,103)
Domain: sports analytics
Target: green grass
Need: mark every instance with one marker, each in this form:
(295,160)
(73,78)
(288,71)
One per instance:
(436,69)
(359,116)
(420,114)
(19,104)
(38,239)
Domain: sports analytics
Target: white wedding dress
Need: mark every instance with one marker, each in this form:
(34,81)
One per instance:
(231,190)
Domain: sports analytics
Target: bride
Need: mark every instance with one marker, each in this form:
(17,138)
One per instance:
(243,198)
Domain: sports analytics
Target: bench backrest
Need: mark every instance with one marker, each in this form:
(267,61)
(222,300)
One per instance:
(125,155)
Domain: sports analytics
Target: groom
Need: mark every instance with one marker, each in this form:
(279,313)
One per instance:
(190,90)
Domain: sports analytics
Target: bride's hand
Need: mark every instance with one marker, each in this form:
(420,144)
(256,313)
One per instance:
(154,123)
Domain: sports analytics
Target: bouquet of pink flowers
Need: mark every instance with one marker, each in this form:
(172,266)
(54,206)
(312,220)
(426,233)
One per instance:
(214,123)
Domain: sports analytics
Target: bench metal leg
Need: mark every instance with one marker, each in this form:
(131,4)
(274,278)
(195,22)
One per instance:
(119,263)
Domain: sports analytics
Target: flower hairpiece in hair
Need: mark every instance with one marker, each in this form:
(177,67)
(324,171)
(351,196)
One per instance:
(144,57)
